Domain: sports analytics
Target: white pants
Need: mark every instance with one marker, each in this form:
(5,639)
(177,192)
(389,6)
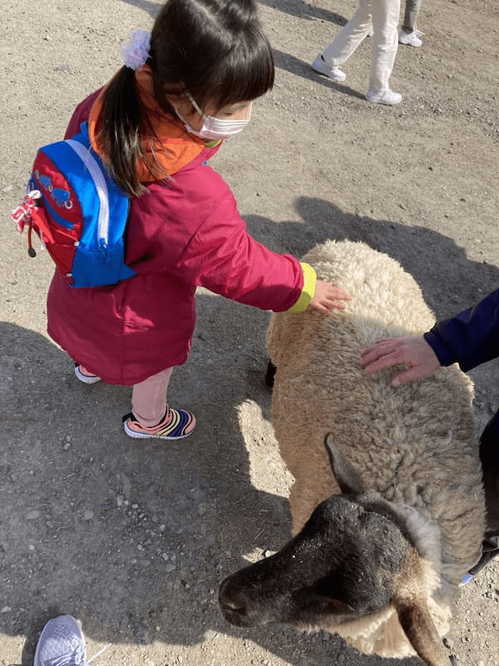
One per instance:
(383,17)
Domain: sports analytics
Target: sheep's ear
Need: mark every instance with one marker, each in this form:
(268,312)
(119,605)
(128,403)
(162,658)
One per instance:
(419,628)
(346,476)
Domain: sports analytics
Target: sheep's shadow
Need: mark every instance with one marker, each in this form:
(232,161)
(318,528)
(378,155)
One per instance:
(134,538)
(450,281)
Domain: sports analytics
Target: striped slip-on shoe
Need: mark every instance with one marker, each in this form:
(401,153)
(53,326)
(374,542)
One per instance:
(177,424)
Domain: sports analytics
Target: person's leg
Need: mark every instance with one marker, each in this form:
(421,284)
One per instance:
(412,8)
(151,416)
(408,34)
(489,456)
(385,18)
(350,36)
(149,398)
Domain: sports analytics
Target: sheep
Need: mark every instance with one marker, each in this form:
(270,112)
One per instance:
(381,563)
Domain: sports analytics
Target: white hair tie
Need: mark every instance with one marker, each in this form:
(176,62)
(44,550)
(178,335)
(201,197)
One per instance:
(135,51)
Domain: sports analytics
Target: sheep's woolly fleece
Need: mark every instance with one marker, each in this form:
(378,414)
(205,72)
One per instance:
(414,445)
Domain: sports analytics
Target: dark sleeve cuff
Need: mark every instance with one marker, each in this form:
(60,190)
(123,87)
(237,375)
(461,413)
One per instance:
(445,355)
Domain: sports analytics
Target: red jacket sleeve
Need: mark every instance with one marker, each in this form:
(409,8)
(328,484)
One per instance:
(80,115)
(224,258)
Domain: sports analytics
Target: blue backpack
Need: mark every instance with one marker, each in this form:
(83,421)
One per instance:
(78,211)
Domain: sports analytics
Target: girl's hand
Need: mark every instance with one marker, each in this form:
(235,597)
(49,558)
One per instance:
(412,351)
(328,297)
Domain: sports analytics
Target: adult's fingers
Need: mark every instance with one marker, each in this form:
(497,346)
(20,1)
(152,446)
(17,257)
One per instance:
(385,361)
(371,354)
(382,346)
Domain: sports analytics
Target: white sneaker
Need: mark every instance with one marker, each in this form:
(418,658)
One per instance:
(321,67)
(410,38)
(389,97)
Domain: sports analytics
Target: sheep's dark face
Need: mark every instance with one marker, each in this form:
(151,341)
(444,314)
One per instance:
(341,566)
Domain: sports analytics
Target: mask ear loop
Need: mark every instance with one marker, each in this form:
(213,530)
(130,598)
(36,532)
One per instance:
(194,104)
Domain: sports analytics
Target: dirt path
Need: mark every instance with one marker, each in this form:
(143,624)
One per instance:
(134,539)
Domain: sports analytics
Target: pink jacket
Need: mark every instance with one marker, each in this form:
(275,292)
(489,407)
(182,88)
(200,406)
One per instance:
(180,235)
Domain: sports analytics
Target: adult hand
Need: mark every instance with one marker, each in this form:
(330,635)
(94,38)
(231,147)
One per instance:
(327,297)
(412,351)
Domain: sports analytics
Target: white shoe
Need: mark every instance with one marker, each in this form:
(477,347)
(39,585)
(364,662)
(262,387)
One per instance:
(389,97)
(321,67)
(410,38)
(84,376)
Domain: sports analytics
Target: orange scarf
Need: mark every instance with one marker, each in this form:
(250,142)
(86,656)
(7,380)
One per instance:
(173,146)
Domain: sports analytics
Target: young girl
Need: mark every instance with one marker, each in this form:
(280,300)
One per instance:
(155,124)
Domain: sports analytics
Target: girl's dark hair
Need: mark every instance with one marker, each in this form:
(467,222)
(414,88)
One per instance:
(215,49)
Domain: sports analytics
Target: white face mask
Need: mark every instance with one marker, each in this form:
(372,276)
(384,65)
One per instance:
(214,128)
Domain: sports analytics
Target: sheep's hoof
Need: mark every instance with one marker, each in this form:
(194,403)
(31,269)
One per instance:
(270,374)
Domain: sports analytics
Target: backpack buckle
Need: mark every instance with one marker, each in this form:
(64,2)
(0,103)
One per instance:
(21,215)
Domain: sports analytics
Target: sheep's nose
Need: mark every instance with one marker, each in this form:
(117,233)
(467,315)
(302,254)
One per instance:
(232,600)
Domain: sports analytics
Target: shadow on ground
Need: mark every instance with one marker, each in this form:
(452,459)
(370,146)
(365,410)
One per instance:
(134,538)
(293,7)
(305,10)
(149,6)
(294,65)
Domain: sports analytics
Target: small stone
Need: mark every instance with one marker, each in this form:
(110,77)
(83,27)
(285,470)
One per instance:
(164,556)
(140,547)
(33,515)
(66,446)
(88,515)
(119,500)
(135,506)
(6,609)
(162,528)
(31,547)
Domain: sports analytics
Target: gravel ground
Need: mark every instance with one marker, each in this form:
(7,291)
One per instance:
(131,538)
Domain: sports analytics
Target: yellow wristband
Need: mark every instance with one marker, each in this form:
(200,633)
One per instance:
(308,291)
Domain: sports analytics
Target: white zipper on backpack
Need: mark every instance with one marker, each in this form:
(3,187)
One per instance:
(100,185)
